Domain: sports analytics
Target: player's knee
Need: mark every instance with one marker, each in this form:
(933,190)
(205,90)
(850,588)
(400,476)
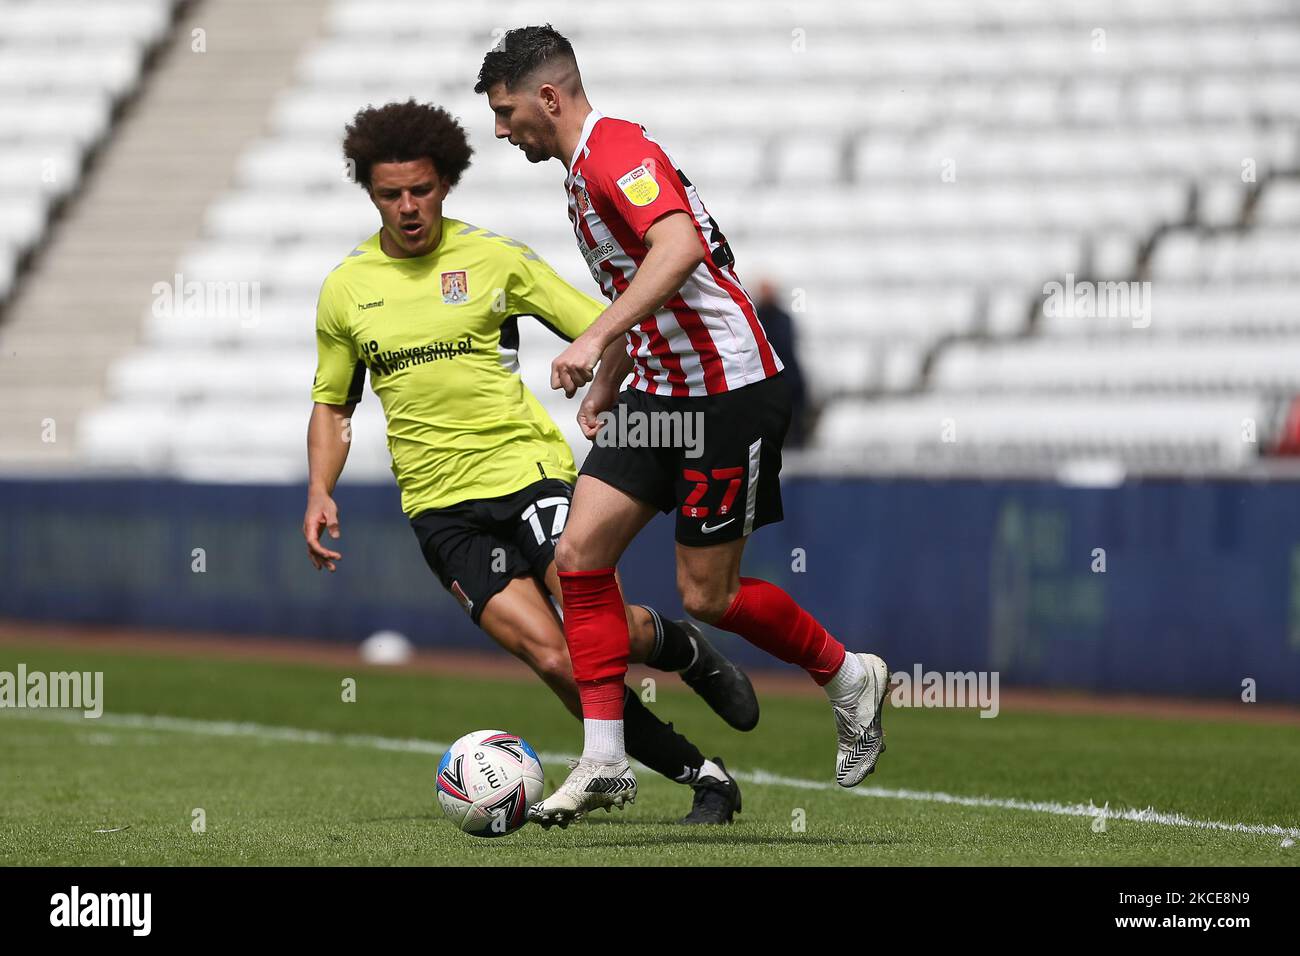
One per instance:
(703,598)
(574,553)
(567,554)
(553,667)
(703,603)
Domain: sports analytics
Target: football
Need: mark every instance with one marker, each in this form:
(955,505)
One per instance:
(486,782)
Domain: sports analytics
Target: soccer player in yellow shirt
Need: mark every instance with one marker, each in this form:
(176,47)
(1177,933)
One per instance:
(429,306)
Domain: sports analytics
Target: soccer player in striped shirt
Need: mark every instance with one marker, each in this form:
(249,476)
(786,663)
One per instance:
(429,306)
(682,323)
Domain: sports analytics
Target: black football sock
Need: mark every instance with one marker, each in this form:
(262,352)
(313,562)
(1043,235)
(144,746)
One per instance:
(656,744)
(673,648)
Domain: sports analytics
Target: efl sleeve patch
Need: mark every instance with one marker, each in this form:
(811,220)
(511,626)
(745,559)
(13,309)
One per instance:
(639,186)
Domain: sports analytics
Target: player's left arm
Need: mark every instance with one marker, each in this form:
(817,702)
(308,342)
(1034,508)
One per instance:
(536,289)
(673,251)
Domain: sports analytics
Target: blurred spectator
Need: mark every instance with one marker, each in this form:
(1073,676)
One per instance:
(1288,442)
(781,333)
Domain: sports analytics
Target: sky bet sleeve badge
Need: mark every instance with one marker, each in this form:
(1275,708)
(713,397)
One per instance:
(639,186)
(455,287)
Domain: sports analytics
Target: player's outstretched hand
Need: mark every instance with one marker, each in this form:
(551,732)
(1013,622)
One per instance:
(575,366)
(322,512)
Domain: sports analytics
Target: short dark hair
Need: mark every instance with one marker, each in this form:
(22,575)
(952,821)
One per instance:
(519,53)
(403,132)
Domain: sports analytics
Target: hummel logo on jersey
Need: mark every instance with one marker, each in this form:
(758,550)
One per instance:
(370,305)
(707,530)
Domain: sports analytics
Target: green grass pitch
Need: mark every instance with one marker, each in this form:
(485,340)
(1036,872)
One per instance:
(359,791)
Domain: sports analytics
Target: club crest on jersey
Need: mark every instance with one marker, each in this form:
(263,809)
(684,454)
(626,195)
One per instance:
(455,287)
(583,200)
(639,186)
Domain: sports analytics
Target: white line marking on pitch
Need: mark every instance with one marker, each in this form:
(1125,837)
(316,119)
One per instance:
(229,728)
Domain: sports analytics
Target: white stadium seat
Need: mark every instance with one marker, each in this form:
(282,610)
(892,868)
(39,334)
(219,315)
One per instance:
(1280,204)
(1196,310)
(51,167)
(111,67)
(22,218)
(132,436)
(81,117)
(1135,363)
(1009,432)
(142,21)
(1266,253)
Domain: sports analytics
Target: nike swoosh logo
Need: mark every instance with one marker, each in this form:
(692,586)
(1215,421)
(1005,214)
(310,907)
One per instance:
(707,530)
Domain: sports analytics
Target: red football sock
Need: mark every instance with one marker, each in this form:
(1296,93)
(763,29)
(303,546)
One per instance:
(595,627)
(769,618)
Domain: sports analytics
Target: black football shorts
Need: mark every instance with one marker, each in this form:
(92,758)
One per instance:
(720,473)
(478,547)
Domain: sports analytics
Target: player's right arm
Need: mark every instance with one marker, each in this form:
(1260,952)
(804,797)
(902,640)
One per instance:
(538,290)
(337,389)
(327,451)
(615,364)
(674,252)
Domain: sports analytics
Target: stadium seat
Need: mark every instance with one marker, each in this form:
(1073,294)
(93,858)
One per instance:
(1196,310)
(1264,253)
(1279,205)
(79,117)
(1009,433)
(50,167)
(1135,363)
(22,218)
(141,21)
(35,69)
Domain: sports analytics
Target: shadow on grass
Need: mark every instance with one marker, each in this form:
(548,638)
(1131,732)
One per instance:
(734,837)
(736,834)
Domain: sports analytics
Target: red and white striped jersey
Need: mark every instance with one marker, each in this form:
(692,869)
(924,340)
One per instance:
(707,338)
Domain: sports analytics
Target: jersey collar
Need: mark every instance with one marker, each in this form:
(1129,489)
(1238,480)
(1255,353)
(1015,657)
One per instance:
(594,117)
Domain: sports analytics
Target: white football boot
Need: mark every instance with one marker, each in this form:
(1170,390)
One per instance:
(861,739)
(590,786)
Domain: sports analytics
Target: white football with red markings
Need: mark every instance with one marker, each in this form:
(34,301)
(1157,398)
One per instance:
(486,782)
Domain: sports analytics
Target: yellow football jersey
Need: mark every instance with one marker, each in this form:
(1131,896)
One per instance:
(439,336)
